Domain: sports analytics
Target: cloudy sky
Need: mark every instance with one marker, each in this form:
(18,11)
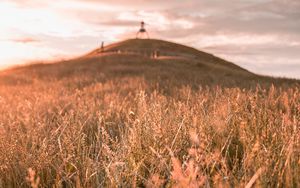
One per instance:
(262,36)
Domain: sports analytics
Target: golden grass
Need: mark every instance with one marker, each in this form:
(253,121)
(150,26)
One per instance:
(118,134)
(107,124)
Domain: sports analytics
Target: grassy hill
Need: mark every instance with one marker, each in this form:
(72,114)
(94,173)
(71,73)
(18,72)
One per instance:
(120,118)
(177,65)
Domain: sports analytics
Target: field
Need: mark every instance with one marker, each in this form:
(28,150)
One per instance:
(117,122)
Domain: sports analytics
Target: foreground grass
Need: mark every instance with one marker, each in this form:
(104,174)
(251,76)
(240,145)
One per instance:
(121,133)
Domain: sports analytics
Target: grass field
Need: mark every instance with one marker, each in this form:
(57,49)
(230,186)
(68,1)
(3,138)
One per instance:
(118,121)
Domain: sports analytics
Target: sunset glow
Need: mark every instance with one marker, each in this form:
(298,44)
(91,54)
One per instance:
(262,36)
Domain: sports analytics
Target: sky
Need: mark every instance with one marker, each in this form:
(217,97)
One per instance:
(262,36)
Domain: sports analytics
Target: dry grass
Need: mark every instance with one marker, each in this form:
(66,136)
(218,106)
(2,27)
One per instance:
(105,124)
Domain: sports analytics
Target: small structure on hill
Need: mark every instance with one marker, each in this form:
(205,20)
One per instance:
(142,33)
(155,54)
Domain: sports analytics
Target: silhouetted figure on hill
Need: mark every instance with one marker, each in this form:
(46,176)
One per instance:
(142,32)
(102,47)
(157,53)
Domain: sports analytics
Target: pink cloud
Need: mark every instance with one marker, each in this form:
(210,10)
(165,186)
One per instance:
(25,40)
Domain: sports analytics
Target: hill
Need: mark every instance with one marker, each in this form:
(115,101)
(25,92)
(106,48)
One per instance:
(147,113)
(173,64)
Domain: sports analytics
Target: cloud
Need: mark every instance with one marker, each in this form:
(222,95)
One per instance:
(118,23)
(25,40)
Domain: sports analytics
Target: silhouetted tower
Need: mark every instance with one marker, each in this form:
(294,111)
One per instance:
(142,32)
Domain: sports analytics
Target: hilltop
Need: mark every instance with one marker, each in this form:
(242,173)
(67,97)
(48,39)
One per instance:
(167,50)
